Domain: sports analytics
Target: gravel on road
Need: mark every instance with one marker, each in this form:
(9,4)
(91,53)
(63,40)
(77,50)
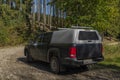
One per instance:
(13,66)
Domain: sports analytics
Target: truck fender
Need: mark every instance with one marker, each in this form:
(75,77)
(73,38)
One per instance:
(51,52)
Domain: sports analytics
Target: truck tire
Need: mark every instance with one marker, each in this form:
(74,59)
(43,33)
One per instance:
(55,65)
(84,67)
(28,57)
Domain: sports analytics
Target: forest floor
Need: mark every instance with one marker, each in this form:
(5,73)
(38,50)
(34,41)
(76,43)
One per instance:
(13,66)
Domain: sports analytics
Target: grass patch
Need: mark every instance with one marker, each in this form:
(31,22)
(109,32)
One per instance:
(111,55)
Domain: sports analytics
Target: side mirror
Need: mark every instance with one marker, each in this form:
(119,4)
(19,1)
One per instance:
(35,44)
(31,42)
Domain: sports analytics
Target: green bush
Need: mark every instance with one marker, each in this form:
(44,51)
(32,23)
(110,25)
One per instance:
(12,26)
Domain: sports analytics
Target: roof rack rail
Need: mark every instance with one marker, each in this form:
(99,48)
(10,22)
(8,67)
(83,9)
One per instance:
(81,27)
(63,28)
(76,27)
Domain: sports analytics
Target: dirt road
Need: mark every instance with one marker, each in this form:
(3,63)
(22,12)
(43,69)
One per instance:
(14,67)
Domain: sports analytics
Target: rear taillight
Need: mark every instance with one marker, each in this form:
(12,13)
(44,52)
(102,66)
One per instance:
(72,52)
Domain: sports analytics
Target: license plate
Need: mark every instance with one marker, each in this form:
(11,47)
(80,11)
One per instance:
(88,61)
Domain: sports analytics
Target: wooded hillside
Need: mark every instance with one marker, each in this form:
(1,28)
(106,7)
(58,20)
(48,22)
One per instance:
(21,19)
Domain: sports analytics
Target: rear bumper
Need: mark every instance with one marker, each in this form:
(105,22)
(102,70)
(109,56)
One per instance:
(75,62)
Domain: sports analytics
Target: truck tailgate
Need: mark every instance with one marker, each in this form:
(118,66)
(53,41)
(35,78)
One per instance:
(89,51)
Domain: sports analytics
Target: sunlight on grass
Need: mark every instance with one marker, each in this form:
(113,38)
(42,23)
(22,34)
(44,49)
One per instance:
(111,55)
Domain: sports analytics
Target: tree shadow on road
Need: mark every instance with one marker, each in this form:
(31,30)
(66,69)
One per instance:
(106,66)
(45,67)
(37,64)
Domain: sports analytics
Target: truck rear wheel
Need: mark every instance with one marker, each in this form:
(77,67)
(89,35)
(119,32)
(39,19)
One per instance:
(55,65)
(84,67)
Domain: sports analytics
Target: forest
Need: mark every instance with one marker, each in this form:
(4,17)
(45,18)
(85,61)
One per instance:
(20,20)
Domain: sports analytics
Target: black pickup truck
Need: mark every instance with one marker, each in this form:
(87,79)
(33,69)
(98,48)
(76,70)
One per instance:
(66,47)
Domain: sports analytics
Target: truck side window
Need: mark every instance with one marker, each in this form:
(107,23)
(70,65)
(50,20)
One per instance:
(45,38)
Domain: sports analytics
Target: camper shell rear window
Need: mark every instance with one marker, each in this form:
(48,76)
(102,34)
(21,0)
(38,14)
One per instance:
(88,35)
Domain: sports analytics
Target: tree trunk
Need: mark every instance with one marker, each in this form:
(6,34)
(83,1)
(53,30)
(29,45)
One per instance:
(0,2)
(50,16)
(62,18)
(21,5)
(39,12)
(44,13)
(10,3)
(53,14)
